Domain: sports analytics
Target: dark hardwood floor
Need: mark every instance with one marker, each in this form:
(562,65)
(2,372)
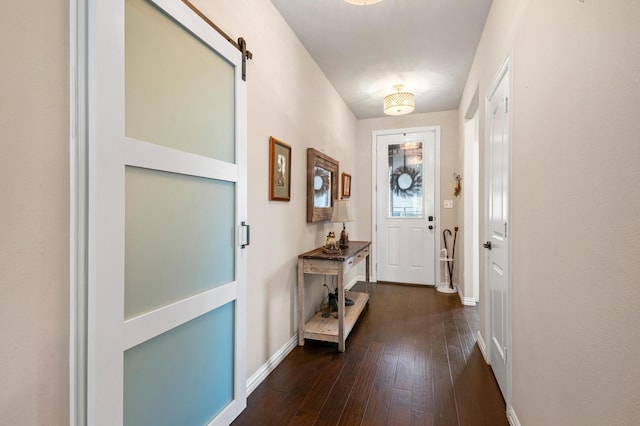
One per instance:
(411,359)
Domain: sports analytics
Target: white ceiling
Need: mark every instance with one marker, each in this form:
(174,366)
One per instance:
(427,45)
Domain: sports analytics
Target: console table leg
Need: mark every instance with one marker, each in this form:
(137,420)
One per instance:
(367,273)
(301,318)
(341,309)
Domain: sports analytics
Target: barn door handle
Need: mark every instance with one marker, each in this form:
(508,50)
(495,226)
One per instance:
(487,245)
(248,234)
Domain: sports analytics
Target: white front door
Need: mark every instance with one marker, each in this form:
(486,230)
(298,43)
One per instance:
(166,313)
(405,206)
(497,244)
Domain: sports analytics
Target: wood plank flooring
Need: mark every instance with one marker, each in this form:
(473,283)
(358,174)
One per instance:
(411,359)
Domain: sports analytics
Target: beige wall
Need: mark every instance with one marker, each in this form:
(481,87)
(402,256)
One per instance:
(448,122)
(575,205)
(288,97)
(34,214)
(576,344)
(291,99)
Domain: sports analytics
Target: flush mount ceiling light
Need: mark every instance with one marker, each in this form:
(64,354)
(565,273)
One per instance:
(399,103)
(362,2)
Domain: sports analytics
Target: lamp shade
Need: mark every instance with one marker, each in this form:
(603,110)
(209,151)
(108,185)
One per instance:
(399,103)
(341,211)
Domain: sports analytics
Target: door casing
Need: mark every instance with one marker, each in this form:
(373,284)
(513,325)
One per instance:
(471,229)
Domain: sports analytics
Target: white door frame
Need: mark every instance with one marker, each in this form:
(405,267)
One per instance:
(505,71)
(78,202)
(471,235)
(374,195)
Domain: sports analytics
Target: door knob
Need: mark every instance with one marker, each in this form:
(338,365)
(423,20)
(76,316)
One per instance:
(487,245)
(430,226)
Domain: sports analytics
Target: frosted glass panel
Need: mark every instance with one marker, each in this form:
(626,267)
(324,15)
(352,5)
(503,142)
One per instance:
(179,237)
(405,180)
(184,376)
(179,92)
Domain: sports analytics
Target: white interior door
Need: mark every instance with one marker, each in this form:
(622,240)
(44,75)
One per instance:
(497,153)
(405,207)
(167,194)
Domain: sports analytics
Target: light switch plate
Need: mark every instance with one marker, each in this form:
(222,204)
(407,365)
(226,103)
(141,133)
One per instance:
(448,204)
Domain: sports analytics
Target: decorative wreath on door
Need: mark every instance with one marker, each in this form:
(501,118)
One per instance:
(406,182)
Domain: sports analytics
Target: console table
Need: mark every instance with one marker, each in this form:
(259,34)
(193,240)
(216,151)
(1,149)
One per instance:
(317,262)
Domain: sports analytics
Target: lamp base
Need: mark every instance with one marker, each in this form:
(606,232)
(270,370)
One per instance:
(344,238)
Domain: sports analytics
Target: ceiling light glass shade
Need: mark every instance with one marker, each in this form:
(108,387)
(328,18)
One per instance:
(399,103)
(362,2)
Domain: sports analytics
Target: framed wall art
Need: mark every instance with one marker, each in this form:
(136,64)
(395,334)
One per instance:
(346,185)
(279,170)
(322,185)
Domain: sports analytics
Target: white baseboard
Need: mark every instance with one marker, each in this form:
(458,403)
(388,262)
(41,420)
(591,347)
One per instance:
(354,281)
(258,377)
(483,347)
(511,414)
(254,381)
(511,417)
(467,301)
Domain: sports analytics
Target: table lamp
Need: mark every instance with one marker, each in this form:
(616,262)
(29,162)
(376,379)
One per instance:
(342,213)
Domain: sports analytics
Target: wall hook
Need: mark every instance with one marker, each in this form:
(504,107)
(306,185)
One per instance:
(457,188)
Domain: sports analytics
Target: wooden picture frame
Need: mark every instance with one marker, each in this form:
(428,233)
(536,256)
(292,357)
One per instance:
(279,170)
(346,185)
(322,185)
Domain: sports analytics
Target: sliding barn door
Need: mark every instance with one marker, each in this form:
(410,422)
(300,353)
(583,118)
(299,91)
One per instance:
(167,195)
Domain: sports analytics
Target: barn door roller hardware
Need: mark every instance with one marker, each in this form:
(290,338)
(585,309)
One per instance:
(241,44)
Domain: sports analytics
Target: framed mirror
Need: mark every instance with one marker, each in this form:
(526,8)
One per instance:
(322,185)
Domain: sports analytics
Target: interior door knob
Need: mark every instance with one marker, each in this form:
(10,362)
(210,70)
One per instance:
(487,245)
